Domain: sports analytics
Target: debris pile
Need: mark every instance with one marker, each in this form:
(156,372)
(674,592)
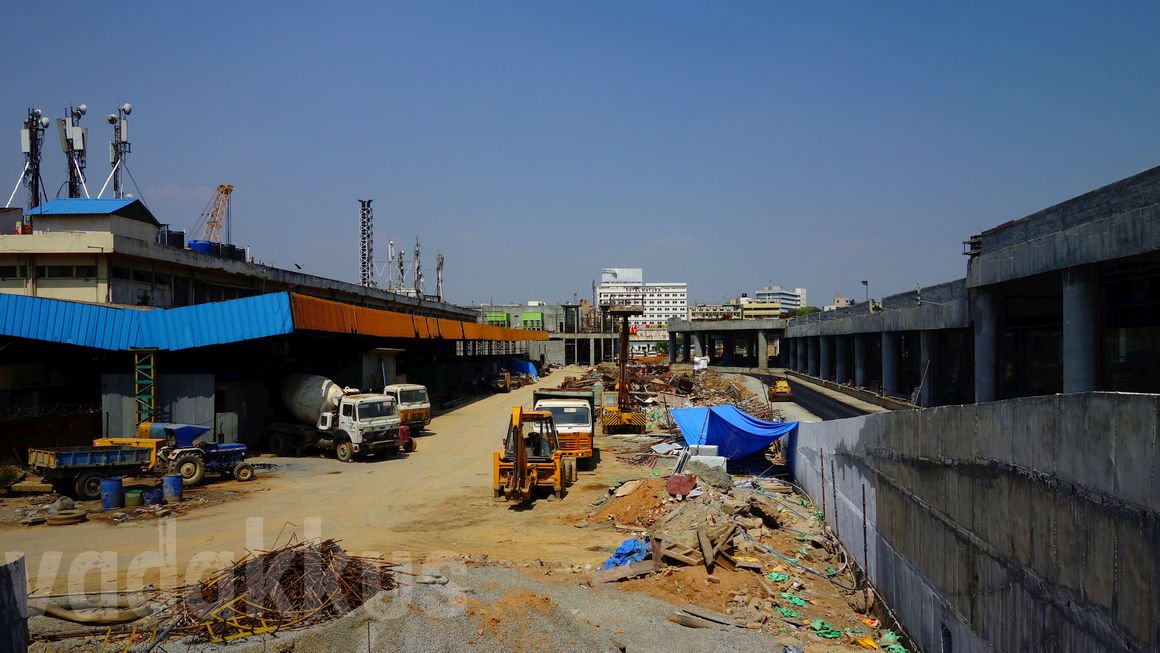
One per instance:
(291,587)
(785,573)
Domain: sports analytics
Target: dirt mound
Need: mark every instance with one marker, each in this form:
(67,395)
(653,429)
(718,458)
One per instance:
(683,585)
(643,507)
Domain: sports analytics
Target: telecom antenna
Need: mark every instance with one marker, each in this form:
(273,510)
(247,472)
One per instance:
(418,272)
(72,142)
(402,274)
(439,275)
(367,238)
(118,148)
(31,140)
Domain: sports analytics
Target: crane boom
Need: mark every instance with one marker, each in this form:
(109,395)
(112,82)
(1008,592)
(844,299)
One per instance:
(216,213)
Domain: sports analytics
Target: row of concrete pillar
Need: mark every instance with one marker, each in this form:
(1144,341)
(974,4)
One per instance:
(694,344)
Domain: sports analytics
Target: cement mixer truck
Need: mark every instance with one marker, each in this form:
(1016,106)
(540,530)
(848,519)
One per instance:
(343,420)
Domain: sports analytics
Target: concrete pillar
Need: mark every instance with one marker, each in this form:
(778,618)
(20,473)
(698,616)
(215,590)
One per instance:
(591,351)
(860,359)
(826,365)
(698,345)
(762,351)
(986,353)
(841,355)
(727,350)
(928,367)
(672,348)
(1080,286)
(687,352)
(889,363)
(812,356)
(801,349)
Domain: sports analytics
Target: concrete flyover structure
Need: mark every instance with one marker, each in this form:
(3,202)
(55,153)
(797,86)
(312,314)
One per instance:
(731,345)
(1064,300)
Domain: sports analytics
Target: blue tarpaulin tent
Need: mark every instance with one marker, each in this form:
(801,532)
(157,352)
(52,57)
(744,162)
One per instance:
(522,367)
(735,433)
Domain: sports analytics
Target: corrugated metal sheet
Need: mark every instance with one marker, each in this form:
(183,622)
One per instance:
(81,206)
(71,323)
(201,325)
(314,314)
(188,327)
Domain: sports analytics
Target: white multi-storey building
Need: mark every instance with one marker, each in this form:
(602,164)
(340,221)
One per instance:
(789,299)
(660,301)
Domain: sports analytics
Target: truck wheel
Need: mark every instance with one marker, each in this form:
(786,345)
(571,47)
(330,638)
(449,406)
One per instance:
(88,486)
(344,451)
(244,472)
(190,466)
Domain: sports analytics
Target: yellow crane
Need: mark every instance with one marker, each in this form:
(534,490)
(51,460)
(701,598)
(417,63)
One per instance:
(215,214)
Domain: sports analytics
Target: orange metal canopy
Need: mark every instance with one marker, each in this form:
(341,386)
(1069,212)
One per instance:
(316,314)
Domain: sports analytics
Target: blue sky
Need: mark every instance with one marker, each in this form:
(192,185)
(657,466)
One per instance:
(722,144)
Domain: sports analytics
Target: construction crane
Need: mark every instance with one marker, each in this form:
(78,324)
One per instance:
(216,214)
(617,414)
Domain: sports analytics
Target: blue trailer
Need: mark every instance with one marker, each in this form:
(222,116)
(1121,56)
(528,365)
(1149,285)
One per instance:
(77,471)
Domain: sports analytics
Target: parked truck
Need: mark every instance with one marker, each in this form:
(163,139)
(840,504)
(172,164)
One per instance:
(573,412)
(343,420)
(414,405)
(77,471)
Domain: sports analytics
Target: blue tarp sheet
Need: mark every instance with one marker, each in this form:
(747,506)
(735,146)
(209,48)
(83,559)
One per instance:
(522,367)
(631,550)
(735,433)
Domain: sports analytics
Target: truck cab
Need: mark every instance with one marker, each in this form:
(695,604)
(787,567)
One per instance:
(573,418)
(370,422)
(414,405)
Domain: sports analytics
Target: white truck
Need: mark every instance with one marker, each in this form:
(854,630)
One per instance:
(343,420)
(573,413)
(414,405)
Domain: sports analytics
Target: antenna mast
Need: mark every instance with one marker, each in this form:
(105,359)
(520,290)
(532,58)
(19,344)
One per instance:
(418,271)
(367,238)
(118,148)
(439,275)
(31,140)
(72,142)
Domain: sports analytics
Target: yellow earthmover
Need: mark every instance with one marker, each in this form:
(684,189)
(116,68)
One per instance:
(531,458)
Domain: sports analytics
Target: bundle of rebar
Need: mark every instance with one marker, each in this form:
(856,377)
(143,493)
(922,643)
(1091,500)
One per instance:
(295,586)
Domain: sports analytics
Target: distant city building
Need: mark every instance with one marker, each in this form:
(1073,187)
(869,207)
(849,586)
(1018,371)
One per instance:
(789,299)
(839,302)
(660,301)
(535,315)
(701,312)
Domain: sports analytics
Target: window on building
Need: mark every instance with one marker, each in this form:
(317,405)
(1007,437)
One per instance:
(13,271)
(121,273)
(55,272)
(86,271)
(143,276)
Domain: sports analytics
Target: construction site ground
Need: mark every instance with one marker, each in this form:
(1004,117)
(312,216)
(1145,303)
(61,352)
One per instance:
(516,574)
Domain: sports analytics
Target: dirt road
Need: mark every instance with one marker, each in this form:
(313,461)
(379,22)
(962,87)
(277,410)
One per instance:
(437,499)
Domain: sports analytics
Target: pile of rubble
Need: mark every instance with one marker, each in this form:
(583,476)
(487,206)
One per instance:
(797,578)
(292,587)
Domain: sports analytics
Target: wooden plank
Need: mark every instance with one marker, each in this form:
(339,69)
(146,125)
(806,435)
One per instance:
(680,556)
(623,572)
(706,548)
(710,615)
(691,621)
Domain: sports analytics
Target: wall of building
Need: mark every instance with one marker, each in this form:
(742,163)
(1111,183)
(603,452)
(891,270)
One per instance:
(986,537)
(181,398)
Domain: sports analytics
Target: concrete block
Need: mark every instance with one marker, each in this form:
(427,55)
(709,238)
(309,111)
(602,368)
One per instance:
(710,461)
(1087,441)
(702,450)
(1033,425)
(994,435)
(1135,456)
(960,497)
(1099,544)
(1069,542)
(893,435)
(958,436)
(1021,501)
(1137,595)
(929,431)
(907,424)
(1041,521)
(871,434)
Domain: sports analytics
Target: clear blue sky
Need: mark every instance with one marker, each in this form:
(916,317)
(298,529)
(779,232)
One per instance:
(723,144)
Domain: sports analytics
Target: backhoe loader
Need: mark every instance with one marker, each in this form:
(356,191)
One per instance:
(531,458)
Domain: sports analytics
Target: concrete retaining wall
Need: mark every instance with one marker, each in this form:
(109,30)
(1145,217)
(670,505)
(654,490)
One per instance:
(1023,525)
(13,605)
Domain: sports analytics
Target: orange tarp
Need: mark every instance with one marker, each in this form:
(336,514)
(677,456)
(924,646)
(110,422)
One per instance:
(314,314)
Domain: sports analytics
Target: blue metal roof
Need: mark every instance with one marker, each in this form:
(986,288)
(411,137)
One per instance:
(85,325)
(118,329)
(125,207)
(81,206)
(200,325)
